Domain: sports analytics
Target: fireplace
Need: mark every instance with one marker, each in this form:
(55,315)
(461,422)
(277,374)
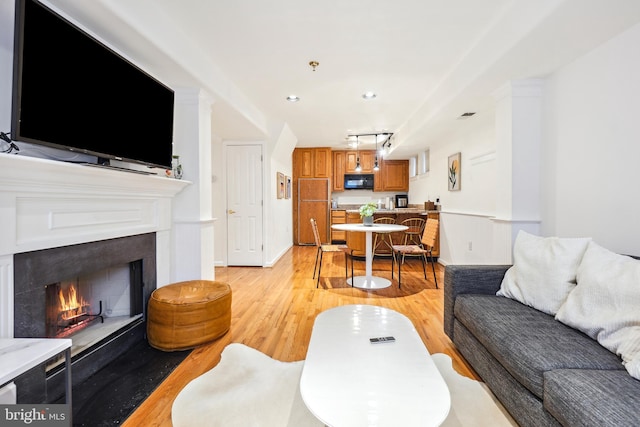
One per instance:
(94,293)
(49,207)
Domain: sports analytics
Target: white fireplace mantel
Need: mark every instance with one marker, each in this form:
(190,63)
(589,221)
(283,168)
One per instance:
(46,204)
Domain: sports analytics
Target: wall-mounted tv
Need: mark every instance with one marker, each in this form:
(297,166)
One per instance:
(71,92)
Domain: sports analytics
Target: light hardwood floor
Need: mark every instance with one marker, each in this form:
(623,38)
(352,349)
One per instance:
(273,310)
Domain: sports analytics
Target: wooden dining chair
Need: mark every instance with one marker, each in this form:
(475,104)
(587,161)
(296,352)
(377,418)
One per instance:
(383,240)
(424,250)
(322,249)
(413,233)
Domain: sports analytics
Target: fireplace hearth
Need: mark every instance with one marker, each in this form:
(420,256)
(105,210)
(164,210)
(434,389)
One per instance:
(101,326)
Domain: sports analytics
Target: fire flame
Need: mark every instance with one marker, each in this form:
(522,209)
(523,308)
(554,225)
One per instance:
(70,304)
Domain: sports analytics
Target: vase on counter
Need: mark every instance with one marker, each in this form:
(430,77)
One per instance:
(366,213)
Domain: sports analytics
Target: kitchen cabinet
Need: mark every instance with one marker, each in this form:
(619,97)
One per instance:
(338,170)
(338,217)
(367,160)
(395,175)
(378,179)
(312,162)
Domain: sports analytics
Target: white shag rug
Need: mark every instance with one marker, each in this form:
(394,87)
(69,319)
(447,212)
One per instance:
(250,389)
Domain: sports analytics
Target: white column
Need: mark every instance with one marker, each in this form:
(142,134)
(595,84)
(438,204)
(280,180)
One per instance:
(518,162)
(193,234)
(6,296)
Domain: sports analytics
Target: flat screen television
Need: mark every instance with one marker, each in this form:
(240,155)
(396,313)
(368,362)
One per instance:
(72,92)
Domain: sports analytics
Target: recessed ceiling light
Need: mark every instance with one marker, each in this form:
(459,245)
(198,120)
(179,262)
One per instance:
(293,98)
(369,95)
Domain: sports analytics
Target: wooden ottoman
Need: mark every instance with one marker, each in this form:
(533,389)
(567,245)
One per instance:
(186,314)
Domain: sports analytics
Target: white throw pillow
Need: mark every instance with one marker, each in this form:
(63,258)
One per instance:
(543,271)
(605,304)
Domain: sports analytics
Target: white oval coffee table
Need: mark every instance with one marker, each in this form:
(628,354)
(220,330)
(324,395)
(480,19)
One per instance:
(349,382)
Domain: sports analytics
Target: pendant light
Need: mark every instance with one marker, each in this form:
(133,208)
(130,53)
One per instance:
(375,164)
(358,167)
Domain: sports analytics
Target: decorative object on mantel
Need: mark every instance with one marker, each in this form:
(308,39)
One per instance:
(453,171)
(176,167)
(11,146)
(366,213)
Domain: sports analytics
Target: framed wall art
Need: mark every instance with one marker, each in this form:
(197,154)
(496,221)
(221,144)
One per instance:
(280,183)
(287,194)
(453,172)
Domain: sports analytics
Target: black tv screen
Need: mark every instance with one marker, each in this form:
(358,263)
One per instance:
(72,92)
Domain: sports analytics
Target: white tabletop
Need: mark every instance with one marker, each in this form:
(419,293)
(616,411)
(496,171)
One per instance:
(349,382)
(18,355)
(375,228)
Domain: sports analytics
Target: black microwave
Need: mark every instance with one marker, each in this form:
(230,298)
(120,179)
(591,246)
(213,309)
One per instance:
(358,182)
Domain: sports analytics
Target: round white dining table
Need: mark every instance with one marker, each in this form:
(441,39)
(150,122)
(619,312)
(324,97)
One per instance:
(369,281)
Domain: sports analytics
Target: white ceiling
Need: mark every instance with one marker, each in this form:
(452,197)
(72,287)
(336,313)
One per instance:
(428,61)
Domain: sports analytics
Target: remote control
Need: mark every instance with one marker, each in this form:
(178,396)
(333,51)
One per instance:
(381,339)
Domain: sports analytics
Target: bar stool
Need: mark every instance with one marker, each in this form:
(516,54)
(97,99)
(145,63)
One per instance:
(383,239)
(413,233)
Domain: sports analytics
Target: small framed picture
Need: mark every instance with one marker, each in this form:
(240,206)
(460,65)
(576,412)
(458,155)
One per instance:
(280,183)
(287,194)
(453,172)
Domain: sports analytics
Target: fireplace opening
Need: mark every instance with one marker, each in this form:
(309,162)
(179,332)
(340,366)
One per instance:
(68,311)
(91,307)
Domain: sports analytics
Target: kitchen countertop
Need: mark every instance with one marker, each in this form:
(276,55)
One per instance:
(392,211)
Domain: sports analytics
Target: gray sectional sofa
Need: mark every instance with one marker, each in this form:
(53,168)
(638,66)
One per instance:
(544,372)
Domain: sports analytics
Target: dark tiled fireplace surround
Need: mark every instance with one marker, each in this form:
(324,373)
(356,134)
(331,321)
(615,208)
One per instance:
(34,270)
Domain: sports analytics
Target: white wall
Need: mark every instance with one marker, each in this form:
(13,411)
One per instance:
(277,221)
(6,63)
(466,226)
(279,212)
(475,140)
(589,161)
(218,200)
(591,148)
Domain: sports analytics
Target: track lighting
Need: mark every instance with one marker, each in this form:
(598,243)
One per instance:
(384,149)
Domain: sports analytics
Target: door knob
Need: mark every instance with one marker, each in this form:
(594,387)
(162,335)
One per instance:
(231,211)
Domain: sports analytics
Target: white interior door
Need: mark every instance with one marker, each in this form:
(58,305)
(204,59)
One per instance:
(244,205)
